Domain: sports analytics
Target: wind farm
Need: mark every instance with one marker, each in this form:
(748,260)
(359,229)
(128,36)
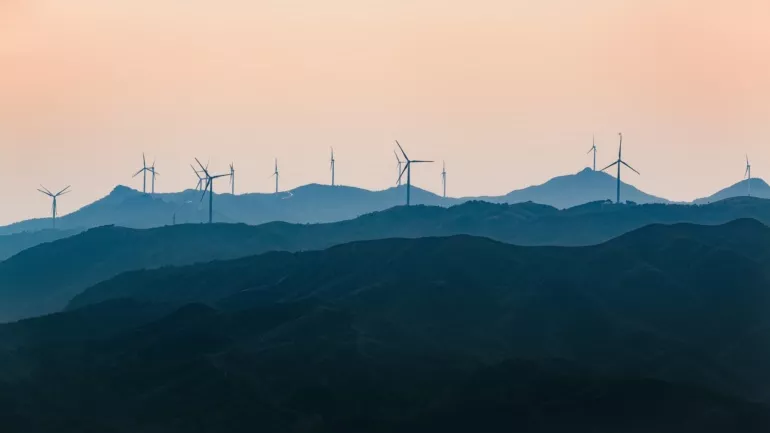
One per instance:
(561,192)
(506,277)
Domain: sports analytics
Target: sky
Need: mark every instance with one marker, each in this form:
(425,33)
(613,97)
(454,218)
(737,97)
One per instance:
(507,92)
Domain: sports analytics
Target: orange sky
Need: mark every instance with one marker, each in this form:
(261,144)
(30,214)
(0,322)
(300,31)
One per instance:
(508,92)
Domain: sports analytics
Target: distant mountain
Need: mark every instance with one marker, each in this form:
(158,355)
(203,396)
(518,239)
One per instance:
(122,207)
(647,332)
(759,188)
(77,262)
(126,207)
(577,189)
(312,204)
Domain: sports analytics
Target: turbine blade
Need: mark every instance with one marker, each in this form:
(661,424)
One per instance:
(632,168)
(46,193)
(46,189)
(138,173)
(144,161)
(417,160)
(202,167)
(609,165)
(64,191)
(397,158)
(402,151)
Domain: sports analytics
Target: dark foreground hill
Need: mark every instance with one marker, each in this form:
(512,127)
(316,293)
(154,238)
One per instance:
(663,329)
(75,263)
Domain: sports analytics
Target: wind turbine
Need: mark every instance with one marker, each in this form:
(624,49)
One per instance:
(747,175)
(400,163)
(200,178)
(144,170)
(620,162)
(276,175)
(154,173)
(593,149)
(54,197)
(210,188)
(408,170)
(332,166)
(232,178)
(443,178)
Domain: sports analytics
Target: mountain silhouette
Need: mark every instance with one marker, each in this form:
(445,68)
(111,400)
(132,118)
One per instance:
(311,204)
(660,285)
(74,263)
(10,245)
(315,203)
(647,332)
(576,189)
(759,188)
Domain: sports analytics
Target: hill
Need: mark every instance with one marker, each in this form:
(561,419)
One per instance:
(759,189)
(75,263)
(660,285)
(647,332)
(577,189)
(10,245)
(312,204)
(126,207)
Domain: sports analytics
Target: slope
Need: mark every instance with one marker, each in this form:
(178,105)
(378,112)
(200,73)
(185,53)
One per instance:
(648,332)
(75,263)
(577,189)
(759,188)
(659,293)
(10,245)
(312,204)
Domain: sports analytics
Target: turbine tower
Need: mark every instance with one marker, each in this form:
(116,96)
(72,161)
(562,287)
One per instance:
(620,162)
(331,167)
(54,197)
(408,170)
(443,178)
(275,173)
(747,175)
(400,163)
(143,170)
(154,173)
(232,178)
(593,149)
(209,188)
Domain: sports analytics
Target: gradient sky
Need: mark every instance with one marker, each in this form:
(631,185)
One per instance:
(508,92)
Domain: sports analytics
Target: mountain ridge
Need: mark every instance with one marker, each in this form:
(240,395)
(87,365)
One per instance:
(76,262)
(312,203)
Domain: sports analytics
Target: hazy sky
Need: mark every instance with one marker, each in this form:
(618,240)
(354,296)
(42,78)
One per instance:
(508,92)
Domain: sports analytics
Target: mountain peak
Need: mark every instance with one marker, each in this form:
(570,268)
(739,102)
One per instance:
(759,188)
